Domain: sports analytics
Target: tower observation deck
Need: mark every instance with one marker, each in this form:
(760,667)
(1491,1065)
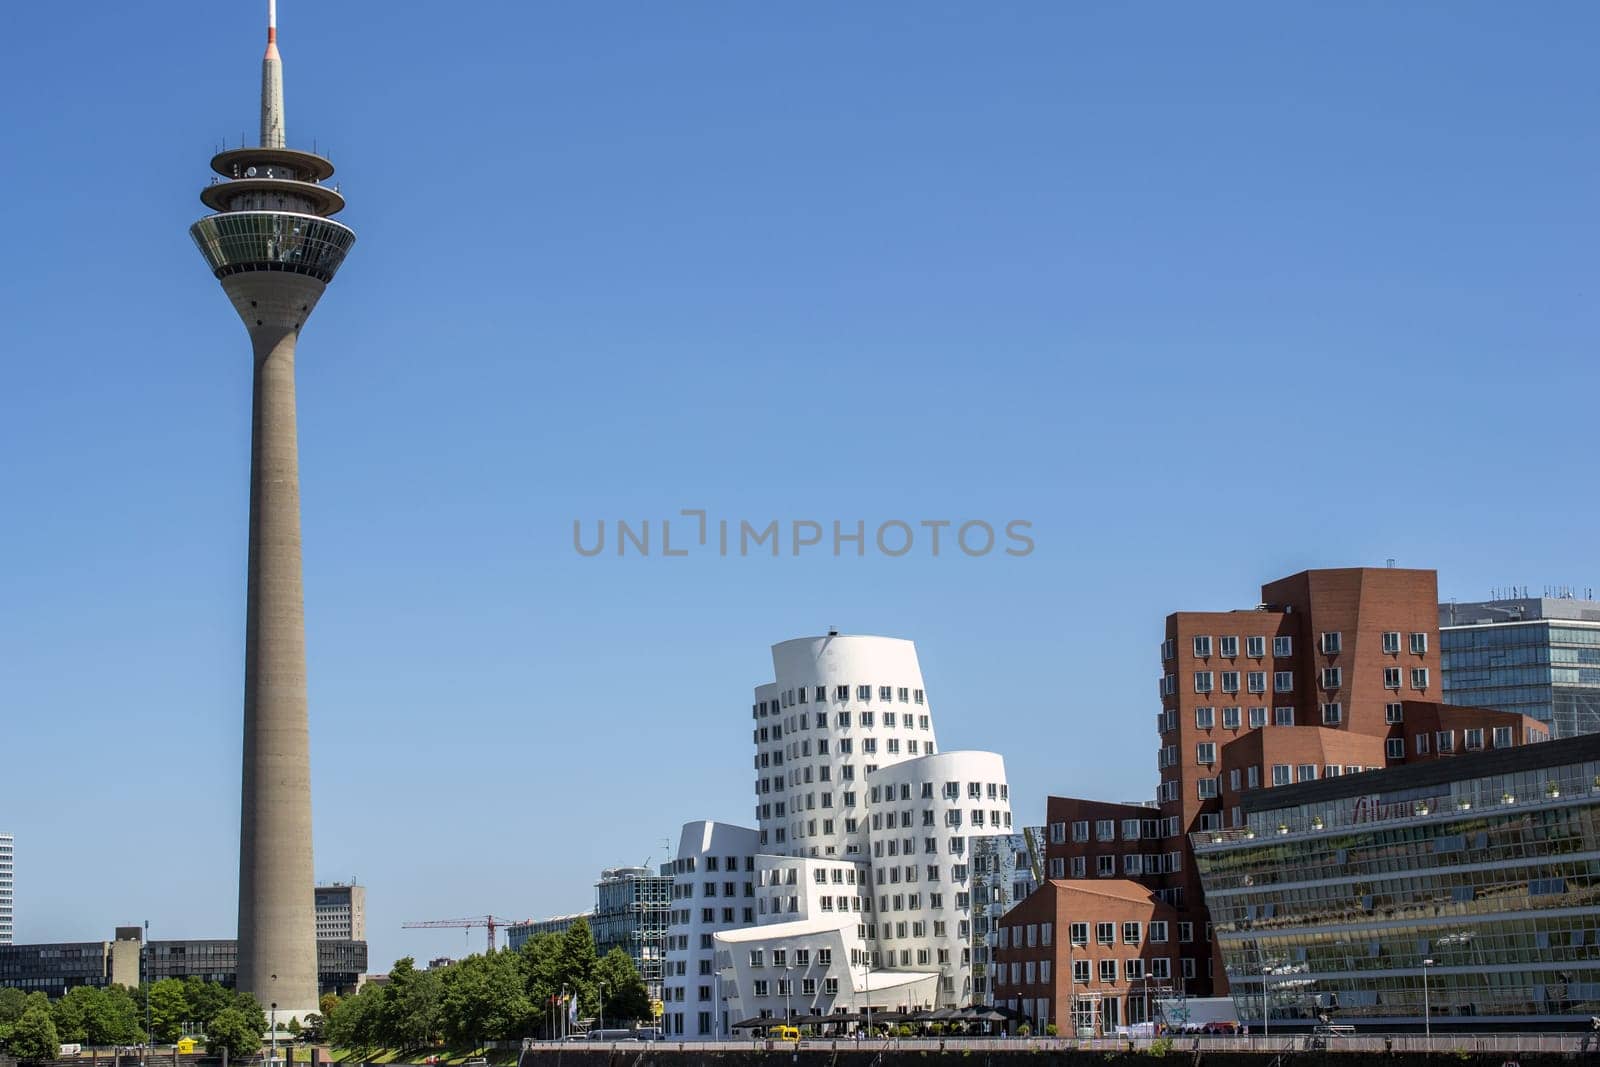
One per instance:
(274,247)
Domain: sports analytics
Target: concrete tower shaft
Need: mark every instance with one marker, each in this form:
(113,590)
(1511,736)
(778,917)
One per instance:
(274,249)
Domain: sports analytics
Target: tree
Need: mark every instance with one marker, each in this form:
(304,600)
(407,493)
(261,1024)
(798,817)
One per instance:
(411,1005)
(294,1027)
(169,1010)
(13,1002)
(33,1037)
(326,1005)
(205,1000)
(485,999)
(234,1030)
(357,1022)
(625,995)
(576,962)
(92,1016)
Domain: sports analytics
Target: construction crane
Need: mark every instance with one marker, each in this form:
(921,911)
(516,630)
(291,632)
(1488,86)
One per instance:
(493,922)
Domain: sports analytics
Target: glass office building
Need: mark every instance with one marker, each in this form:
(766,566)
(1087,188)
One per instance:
(1536,655)
(631,905)
(1466,887)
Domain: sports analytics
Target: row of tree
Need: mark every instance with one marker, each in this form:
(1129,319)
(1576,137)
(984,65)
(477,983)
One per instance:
(495,997)
(32,1027)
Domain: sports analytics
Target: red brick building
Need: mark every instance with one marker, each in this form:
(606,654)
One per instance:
(1334,672)
(1086,956)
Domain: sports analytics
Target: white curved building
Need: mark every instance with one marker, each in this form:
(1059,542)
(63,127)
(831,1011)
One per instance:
(863,884)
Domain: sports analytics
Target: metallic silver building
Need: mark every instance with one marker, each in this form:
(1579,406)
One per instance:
(1536,655)
(1461,891)
(631,908)
(274,248)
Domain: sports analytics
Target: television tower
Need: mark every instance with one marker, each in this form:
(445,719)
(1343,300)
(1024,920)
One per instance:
(274,248)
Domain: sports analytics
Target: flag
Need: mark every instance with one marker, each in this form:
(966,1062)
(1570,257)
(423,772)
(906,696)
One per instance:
(572,1009)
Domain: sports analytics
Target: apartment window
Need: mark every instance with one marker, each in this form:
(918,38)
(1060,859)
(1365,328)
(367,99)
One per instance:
(1080,933)
(1130,933)
(1394,712)
(916,696)
(1206,752)
(1105,830)
(1252,777)
(1391,677)
(1332,714)
(1256,681)
(1228,647)
(1204,718)
(1283,716)
(1395,748)
(905,695)
(1308,772)
(1169,648)
(1080,971)
(1283,681)
(1105,866)
(1446,740)
(884,693)
(1202,681)
(1105,933)
(1502,737)
(1206,788)
(1186,932)
(1258,718)
(1080,830)
(1331,677)
(1474,740)
(1058,868)
(1283,646)
(1161,968)
(1202,647)
(1134,969)
(1255,647)
(1230,681)
(1422,744)
(863,692)
(1419,677)
(1108,971)
(1391,642)
(1280,774)
(1331,642)
(1230,718)
(1158,931)
(1080,867)
(1419,644)
(1188,967)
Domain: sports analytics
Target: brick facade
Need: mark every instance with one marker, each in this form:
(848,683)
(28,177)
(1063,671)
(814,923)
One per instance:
(1334,672)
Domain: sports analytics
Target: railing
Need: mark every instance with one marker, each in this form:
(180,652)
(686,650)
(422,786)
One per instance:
(1365,1044)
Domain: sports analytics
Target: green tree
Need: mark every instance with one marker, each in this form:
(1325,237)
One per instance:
(326,1005)
(485,999)
(626,998)
(411,1006)
(33,1036)
(234,1030)
(294,1027)
(91,1016)
(576,961)
(13,1002)
(169,1010)
(356,1023)
(205,1000)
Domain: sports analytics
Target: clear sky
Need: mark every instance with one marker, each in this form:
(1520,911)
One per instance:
(1208,293)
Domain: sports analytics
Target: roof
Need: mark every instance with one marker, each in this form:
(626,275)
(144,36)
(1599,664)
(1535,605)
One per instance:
(774,931)
(1118,888)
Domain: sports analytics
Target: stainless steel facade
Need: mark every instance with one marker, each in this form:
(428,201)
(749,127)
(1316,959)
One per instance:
(1469,885)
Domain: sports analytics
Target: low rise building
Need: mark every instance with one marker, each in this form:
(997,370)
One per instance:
(1087,957)
(517,934)
(1460,891)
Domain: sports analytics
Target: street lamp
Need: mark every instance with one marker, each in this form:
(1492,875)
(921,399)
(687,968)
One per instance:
(1427,1013)
(788,991)
(149,1034)
(274,1060)
(602,1008)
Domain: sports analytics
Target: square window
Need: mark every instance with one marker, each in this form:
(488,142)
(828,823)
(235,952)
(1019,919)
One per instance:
(1206,788)
(1394,712)
(1206,752)
(1257,681)
(1229,647)
(1258,717)
(1202,681)
(1332,714)
(1395,748)
(1419,678)
(1391,677)
(1391,642)
(1230,718)
(1230,681)
(1474,740)
(1446,741)
(1283,682)
(1202,647)
(1331,643)
(1502,737)
(1419,644)
(1280,774)
(1331,677)
(1204,718)
(1255,647)
(1422,744)
(1283,646)
(1283,716)
(1307,772)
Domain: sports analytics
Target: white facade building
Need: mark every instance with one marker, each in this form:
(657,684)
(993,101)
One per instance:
(7,889)
(862,877)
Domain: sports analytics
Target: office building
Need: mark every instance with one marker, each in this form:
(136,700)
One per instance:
(1332,673)
(1539,656)
(8,893)
(517,934)
(630,913)
(1088,957)
(56,967)
(341,912)
(1005,870)
(274,248)
(855,888)
(1459,891)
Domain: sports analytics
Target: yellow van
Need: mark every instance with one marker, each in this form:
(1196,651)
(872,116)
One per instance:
(784,1033)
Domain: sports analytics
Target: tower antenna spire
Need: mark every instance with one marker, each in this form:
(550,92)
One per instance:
(272,84)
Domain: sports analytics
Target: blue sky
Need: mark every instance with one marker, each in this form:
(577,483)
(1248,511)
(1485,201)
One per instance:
(1207,293)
